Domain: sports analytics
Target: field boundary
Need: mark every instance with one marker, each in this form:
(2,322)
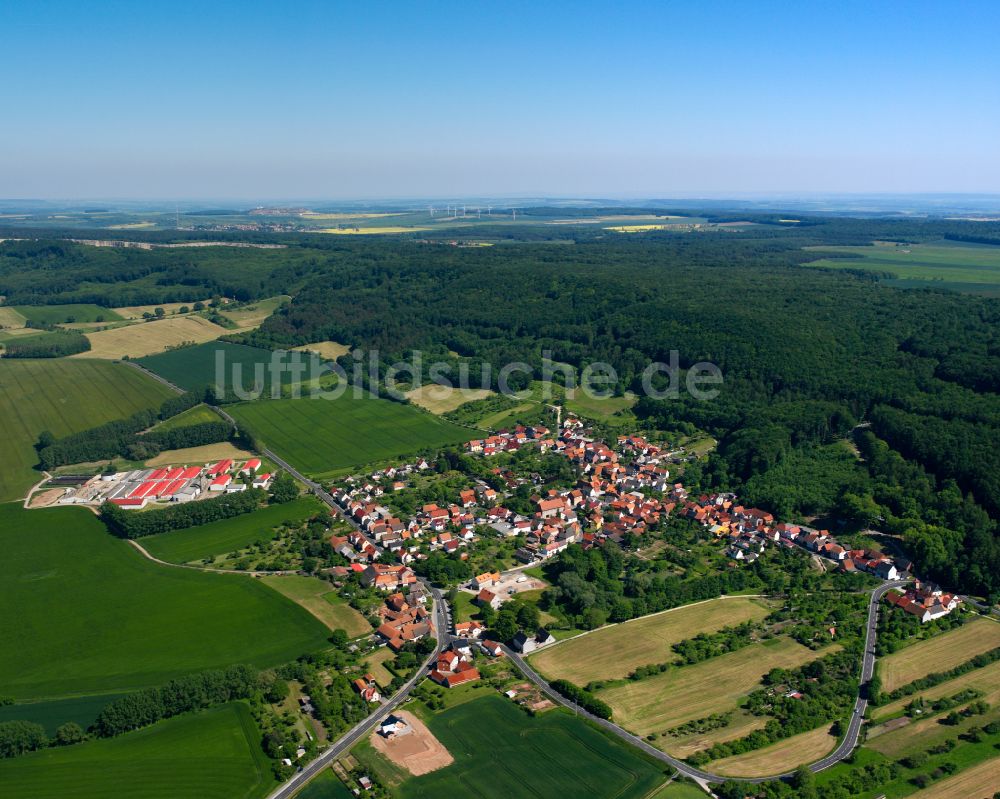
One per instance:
(554,644)
(257,572)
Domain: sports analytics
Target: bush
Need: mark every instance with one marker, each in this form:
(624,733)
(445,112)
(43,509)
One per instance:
(583,698)
(18,737)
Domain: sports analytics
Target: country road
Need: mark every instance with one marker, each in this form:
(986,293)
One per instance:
(442,626)
(360,730)
(845,748)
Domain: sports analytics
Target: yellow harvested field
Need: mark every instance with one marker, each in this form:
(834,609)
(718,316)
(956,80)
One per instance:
(599,220)
(170,308)
(985,679)
(972,783)
(318,215)
(441,399)
(252,315)
(657,704)
(375,663)
(325,349)
(742,724)
(924,732)
(779,758)
(940,653)
(354,231)
(132,226)
(11,318)
(15,332)
(150,338)
(612,652)
(194,456)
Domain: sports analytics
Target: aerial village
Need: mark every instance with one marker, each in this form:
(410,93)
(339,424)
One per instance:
(622,489)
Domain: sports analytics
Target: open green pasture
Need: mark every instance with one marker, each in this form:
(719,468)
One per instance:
(213,754)
(63,397)
(82,612)
(319,436)
(969,268)
(228,535)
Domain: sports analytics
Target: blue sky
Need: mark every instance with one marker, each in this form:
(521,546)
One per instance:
(256,100)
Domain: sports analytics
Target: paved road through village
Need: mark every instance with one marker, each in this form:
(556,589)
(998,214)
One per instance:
(443,625)
(842,751)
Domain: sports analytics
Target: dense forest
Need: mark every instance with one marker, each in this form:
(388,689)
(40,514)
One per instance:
(842,395)
(47,272)
(810,358)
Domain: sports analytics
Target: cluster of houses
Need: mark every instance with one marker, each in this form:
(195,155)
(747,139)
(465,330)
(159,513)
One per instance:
(611,499)
(924,600)
(511,440)
(749,531)
(449,529)
(136,489)
(405,619)
(455,666)
(380,530)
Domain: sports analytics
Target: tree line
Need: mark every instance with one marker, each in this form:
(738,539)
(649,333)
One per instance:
(53,344)
(125,437)
(139,709)
(129,524)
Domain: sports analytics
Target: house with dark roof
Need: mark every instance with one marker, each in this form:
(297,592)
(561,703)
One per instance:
(524,643)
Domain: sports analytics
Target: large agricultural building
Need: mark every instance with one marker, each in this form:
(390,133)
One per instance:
(136,489)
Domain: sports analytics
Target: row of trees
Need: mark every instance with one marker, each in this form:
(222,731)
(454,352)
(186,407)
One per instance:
(124,437)
(129,524)
(827,687)
(57,344)
(139,709)
(583,698)
(194,691)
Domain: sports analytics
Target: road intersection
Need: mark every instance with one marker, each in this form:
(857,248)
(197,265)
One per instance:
(443,625)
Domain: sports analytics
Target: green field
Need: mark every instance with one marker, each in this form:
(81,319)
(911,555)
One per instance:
(62,396)
(501,752)
(970,268)
(213,754)
(53,712)
(680,790)
(326,785)
(82,612)
(195,367)
(320,436)
(228,535)
(199,414)
(602,408)
(318,597)
(66,314)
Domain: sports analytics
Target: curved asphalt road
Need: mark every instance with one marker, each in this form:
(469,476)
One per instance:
(442,625)
(841,752)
